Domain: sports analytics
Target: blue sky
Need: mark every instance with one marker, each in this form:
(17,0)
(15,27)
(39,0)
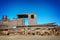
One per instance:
(47,11)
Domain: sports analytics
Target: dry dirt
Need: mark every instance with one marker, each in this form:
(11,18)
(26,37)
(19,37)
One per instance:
(29,37)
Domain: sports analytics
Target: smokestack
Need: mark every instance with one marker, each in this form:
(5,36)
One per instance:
(4,17)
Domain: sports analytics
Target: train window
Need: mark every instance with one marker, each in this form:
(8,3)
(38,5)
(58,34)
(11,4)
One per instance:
(32,16)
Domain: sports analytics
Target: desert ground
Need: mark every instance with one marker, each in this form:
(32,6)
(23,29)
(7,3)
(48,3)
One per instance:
(29,37)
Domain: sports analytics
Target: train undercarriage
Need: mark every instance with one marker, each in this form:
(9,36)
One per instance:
(29,32)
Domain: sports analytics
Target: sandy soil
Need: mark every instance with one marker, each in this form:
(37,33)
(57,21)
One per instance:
(24,37)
